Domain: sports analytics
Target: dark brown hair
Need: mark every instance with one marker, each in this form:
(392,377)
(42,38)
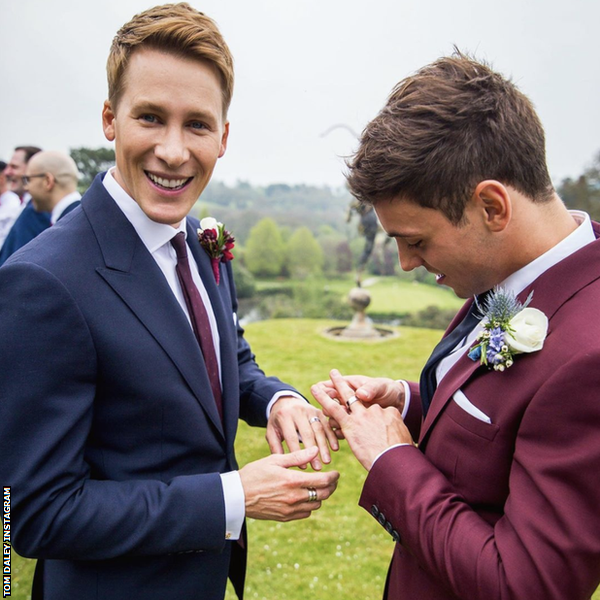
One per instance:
(28,150)
(454,123)
(175,28)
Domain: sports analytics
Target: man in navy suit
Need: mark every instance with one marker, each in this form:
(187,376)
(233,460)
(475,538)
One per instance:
(30,222)
(118,444)
(52,182)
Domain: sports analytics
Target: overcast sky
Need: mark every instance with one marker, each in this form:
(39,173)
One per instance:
(303,67)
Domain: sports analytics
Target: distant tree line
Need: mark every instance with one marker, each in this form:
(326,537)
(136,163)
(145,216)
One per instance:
(301,230)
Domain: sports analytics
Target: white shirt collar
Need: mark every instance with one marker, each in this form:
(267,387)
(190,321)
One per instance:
(58,210)
(583,235)
(153,234)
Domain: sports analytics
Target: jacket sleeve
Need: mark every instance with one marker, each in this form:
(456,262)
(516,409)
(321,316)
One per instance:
(47,391)
(547,542)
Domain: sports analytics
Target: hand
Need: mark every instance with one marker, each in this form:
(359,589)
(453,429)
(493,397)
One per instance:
(369,430)
(372,390)
(292,420)
(274,492)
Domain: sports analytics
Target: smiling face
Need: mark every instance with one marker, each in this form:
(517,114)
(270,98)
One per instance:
(169,131)
(462,257)
(15,170)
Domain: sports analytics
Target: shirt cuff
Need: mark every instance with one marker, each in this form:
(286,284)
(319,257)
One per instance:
(387,450)
(279,395)
(235,504)
(407,395)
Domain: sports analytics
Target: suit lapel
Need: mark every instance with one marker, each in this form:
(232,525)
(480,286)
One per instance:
(136,278)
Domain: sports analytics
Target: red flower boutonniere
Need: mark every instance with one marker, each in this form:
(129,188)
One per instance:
(217,242)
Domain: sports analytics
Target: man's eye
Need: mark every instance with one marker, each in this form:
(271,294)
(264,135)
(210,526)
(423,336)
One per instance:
(149,118)
(415,245)
(197,125)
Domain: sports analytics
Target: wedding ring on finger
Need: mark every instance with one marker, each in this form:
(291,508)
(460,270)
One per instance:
(314,419)
(350,402)
(312,495)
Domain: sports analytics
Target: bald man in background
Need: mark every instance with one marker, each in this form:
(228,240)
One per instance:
(52,182)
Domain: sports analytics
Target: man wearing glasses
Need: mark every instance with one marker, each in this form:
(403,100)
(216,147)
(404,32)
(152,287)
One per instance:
(51,180)
(30,223)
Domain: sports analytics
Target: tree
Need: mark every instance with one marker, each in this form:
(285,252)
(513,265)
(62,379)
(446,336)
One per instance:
(90,162)
(305,256)
(584,192)
(265,250)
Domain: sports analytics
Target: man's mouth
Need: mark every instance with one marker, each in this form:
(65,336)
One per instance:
(167,183)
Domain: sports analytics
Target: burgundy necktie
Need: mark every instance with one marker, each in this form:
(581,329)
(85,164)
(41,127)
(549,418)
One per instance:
(198,317)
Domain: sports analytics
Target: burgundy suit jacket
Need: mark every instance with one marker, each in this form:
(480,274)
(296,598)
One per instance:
(511,509)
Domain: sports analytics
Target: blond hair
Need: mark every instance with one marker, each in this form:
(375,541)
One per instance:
(175,28)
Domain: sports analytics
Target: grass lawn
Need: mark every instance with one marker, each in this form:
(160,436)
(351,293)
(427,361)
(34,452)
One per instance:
(340,551)
(392,295)
(389,295)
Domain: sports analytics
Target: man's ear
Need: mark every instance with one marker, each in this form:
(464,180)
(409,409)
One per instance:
(224,139)
(495,203)
(108,121)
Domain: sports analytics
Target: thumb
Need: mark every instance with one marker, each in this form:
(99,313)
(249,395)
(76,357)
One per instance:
(367,392)
(299,458)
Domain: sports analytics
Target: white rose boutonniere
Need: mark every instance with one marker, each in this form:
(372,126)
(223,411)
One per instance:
(509,328)
(527,330)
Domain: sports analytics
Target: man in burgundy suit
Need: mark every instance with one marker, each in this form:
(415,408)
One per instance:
(485,475)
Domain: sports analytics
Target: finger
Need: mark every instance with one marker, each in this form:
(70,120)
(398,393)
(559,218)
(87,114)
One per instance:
(290,434)
(309,438)
(331,436)
(341,385)
(274,440)
(345,391)
(330,407)
(335,428)
(322,480)
(298,458)
(318,424)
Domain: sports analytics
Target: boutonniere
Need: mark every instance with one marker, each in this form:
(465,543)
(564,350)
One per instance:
(217,242)
(509,328)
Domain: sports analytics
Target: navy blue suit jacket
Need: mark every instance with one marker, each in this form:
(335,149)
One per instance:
(28,225)
(112,441)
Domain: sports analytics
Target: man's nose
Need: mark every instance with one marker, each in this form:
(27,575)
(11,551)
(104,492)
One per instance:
(409,260)
(172,148)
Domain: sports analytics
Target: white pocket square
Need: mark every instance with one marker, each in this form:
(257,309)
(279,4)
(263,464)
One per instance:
(466,405)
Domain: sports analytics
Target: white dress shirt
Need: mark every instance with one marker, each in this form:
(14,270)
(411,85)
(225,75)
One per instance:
(62,204)
(157,237)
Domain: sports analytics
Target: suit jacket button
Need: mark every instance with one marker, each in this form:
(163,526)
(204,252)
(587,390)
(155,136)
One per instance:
(381,518)
(374,511)
(388,527)
(396,536)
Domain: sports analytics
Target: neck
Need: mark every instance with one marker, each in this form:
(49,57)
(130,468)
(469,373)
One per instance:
(537,228)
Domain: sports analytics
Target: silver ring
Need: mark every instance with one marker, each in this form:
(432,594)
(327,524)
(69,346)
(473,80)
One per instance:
(314,419)
(312,495)
(351,401)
